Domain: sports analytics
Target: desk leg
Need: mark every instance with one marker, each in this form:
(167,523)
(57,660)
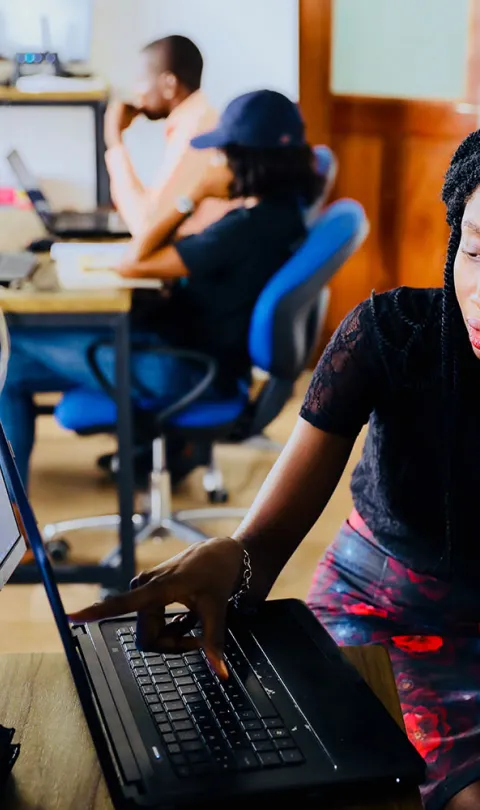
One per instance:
(103,180)
(125,450)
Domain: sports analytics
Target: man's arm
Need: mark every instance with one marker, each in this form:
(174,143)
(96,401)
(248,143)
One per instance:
(128,193)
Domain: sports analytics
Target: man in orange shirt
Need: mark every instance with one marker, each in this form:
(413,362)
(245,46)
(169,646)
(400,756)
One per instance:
(167,87)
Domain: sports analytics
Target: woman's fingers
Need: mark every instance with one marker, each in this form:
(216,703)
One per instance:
(213,614)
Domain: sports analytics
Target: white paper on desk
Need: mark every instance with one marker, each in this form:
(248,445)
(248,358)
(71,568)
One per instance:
(87,266)
(43,83)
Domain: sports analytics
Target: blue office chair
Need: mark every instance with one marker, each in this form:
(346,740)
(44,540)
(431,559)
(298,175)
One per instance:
(327,167)
(284,331)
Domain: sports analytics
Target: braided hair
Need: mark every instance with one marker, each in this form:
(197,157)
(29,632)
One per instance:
(461,180)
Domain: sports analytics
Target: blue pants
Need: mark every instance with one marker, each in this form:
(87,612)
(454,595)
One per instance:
(54,360)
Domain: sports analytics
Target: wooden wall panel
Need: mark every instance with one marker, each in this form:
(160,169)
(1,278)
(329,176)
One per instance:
(359,177)
(421,213)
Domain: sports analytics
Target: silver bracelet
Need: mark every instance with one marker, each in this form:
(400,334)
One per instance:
(245,583)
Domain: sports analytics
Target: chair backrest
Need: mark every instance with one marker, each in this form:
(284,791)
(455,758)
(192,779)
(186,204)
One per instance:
(326,166)
(284,325)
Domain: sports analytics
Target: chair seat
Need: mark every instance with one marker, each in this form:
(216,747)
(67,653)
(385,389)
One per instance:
(83,410)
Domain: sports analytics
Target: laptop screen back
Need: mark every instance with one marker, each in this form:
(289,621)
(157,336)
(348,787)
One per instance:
(14,500)
(29,183)
(12,544)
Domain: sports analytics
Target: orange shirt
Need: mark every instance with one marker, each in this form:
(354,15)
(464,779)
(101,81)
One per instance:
(181,166)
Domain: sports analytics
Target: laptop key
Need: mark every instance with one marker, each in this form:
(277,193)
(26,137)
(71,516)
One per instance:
(160,677)
(149,690)
(137,663)
(179,672)
(174,748)
(273,722)
(183,771)
(158,670)
(264,745)
(247,715)
(183,725)
(282,745)
(164,728)
(252,725)
(187,736)
(192,745)
(194,699)
(144,681)
(169,738)
(255,736)
(245,760)
(152,700)
(178,759)
(190,689)
(140,672)
(165,688)
(156,662)
(292,757)
(278,733)
(123,631)
(269,760)
(173,705)
(197,756)
(134,656)
(197,668)
(130,647)
(183,681)
(182,714)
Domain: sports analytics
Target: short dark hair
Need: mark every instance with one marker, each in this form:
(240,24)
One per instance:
(287,171)
(182,58)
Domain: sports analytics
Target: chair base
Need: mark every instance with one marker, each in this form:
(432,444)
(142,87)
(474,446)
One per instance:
(159,522)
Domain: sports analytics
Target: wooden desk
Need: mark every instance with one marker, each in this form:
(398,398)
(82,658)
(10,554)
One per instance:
(57,768)
(41,303)
(96,100)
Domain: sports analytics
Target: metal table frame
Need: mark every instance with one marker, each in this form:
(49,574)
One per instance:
(117,577)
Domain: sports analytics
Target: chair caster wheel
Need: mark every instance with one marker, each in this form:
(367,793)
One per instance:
(58,550)
(218,496)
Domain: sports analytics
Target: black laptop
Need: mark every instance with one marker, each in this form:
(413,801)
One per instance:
(65,224)
(294,716)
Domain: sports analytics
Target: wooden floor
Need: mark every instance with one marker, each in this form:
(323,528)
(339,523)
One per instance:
(66,483)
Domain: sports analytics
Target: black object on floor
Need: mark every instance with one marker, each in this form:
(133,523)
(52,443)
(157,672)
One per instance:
(182,458)
(9,752)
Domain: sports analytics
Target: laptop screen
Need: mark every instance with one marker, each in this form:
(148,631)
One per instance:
(12,544)
(29,183)
(14,501)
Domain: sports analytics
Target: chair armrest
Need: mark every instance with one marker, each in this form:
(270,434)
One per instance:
(208,363)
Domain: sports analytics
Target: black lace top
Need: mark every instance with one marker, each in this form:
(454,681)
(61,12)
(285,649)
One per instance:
(383,366)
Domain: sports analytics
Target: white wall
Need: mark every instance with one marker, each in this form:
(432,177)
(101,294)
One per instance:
(247,44)
(400,48)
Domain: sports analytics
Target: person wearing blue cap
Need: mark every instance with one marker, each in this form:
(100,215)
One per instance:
(261,160)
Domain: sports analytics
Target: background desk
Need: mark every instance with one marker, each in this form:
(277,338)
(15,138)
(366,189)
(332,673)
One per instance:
(44,305)
(58,768)
(96,100)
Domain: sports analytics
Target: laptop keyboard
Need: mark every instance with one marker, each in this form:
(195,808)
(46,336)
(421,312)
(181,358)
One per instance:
(207,725)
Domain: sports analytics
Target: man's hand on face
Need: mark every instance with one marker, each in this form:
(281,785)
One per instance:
(118,118)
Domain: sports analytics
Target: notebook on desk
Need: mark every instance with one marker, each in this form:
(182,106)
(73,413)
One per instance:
(89,266)
(294,716)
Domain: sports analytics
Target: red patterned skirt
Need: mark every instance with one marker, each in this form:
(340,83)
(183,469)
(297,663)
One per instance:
(431,629)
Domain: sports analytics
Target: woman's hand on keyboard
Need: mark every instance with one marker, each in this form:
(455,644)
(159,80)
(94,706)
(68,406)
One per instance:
(202,578)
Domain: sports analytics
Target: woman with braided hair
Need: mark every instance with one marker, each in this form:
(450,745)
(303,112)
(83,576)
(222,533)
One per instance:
(404,571)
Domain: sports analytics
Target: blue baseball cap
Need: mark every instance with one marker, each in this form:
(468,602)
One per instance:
(263,119)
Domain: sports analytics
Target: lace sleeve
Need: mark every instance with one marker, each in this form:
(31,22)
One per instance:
(345,383)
